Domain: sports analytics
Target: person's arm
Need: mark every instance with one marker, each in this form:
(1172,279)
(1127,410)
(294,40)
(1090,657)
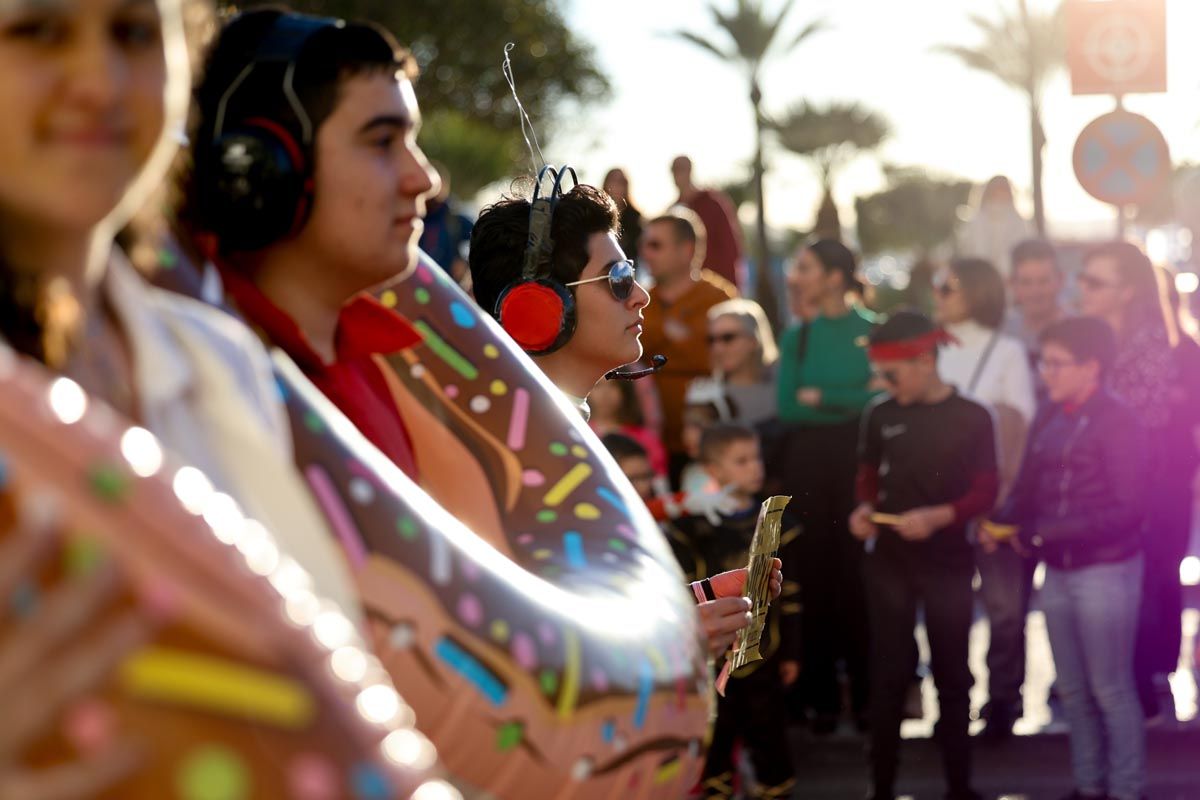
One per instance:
(846,397)
(787,380)
(866,483)
(1118,509)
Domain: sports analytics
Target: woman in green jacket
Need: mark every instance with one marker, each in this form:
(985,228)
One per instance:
(824,382)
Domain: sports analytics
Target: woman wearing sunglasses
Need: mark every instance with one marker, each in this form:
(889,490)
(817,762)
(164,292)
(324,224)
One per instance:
(990,366)
(743,353)
(824,384)
(1119,285)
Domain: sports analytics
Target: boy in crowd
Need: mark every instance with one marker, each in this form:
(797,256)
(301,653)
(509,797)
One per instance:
(752,709)
(927,466)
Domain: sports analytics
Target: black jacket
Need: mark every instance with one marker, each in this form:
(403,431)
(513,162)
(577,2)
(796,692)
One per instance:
(1080,495)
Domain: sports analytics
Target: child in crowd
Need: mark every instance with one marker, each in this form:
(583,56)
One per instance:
(927,466)
(704,405)
(616,408)
(752,709)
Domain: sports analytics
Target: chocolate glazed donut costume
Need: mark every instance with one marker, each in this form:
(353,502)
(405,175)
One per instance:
(238,694)
(550,649)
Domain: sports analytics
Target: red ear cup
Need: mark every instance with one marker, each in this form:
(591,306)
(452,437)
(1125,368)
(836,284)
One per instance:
(532,314)
(538,314)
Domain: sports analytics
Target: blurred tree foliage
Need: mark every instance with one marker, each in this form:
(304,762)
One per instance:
(916,212)
(471,121)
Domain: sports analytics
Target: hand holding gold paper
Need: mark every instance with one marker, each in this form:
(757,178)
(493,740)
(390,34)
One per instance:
(763,549)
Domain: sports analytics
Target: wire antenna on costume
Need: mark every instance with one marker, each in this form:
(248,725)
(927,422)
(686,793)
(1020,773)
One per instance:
(527,129)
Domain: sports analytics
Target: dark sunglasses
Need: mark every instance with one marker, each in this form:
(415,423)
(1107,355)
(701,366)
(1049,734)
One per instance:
(945,289)
(889,376)
(619,277)
(723,338)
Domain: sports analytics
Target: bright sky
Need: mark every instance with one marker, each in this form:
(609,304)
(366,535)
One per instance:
(670,98)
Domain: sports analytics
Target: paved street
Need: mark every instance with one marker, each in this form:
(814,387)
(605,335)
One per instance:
(1035,765)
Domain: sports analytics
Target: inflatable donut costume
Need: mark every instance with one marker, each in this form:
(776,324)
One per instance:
(253,687)
(550,649)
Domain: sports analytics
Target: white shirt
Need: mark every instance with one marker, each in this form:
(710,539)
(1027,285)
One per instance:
(1004,379)
(205,389)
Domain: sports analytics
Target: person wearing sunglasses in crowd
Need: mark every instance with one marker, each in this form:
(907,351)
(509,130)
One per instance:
(927,468)
(824,384)
(1119,284)
(672,249)
(988,365)
(744,357)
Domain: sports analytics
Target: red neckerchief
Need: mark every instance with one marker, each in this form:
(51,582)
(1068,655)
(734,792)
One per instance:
(366,327)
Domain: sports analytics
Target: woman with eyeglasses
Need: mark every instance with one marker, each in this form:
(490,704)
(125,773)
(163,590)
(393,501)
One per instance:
(824,383)
(991,366)
(1119,285)
(743,353)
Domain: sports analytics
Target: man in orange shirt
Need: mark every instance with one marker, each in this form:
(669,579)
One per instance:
(676,321)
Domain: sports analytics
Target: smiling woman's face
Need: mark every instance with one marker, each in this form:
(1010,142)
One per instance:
(87,88)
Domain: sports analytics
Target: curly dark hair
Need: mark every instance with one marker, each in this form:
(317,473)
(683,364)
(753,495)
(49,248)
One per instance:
(500,234)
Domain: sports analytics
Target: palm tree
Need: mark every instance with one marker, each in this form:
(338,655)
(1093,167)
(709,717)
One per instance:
(751,34)
(831,136)
(1023,49)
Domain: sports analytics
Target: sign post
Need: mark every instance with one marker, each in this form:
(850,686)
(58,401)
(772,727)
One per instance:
(1119,47)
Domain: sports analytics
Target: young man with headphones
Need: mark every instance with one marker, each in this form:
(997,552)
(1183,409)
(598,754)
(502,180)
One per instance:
(552,272)
(307,188)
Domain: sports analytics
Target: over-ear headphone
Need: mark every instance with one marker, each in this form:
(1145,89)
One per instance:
(257,183)
(537,311)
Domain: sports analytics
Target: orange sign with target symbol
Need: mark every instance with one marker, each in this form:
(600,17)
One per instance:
(1122,158)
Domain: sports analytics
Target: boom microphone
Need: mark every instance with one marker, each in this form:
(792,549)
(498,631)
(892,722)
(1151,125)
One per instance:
(657,363)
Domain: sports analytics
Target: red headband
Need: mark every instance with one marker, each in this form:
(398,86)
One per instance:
(909,348)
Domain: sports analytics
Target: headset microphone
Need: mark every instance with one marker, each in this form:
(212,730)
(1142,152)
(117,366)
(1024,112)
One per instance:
(657,363)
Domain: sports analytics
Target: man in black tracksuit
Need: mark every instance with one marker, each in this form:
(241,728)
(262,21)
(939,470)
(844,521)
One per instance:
(927,463)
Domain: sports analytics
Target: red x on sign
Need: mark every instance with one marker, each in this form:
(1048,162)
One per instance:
(1122,158)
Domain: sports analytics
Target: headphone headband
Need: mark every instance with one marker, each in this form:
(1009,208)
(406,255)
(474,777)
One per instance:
(539,249)
(283,43)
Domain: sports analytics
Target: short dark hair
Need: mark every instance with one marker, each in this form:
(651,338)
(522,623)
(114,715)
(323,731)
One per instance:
(685,224)
(621,447)
(501,233)
(329,58)
(1034,250)
(1085,338)
(900,326)
(983,289)
(716,438)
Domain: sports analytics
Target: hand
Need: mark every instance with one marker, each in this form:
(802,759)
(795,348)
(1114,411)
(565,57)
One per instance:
(809,396)
(987,542)
(919,524)
(789,672)
(861,527)
(53,657)
(722,619)
(710,504)
(733,582)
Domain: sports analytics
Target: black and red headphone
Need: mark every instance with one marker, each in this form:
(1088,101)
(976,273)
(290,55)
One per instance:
(256,184)
(537,311)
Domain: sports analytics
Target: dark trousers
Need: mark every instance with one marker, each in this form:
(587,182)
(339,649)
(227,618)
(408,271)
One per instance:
(751,711)
(816,465)
(894,588)
(1006,583)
